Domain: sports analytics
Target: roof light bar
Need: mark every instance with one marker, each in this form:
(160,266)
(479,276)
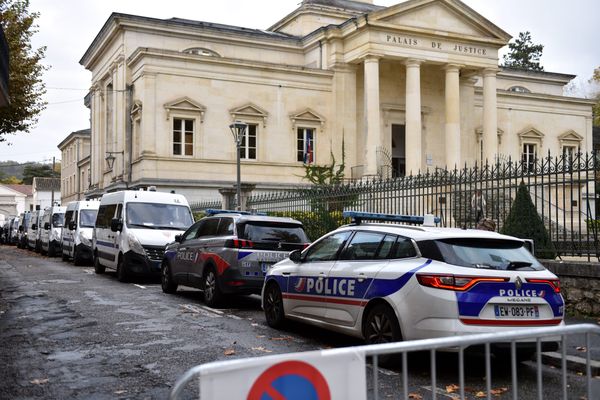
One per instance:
(358,216)
(212,211)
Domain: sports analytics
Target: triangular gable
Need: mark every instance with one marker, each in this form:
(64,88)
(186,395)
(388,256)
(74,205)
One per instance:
(185,105)
(450,16)
(570,136)
(307,115)
(249,111)
(6,191)
(531,134)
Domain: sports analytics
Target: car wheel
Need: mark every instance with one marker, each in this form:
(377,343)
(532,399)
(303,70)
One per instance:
(166,279)
(122,275)
(98,268)
(273,305)
(51,252)
(77,258)
(382,326)
(212,293)
(65,257)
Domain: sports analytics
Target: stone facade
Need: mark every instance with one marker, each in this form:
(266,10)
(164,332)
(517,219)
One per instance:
(75,169)
(409,87)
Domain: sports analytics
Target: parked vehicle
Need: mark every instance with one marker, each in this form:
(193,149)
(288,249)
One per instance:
(80,218)
(4,232)
(24,219)
(229,252)
(34,231)
(14,231)
(52,221)
(133,228)
(389,282)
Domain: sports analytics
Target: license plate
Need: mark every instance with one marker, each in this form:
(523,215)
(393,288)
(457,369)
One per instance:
(516,311)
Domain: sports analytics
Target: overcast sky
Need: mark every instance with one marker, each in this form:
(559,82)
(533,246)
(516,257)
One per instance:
(568,30)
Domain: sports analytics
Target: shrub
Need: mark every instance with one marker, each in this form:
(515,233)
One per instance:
(524,222)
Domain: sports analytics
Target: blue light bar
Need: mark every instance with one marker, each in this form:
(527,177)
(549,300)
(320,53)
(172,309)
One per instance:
(358,216)
(212,211)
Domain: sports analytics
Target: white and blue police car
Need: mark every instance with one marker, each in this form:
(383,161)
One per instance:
(387,282)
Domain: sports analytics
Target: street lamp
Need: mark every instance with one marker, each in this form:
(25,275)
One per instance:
(110,159)
(238,130)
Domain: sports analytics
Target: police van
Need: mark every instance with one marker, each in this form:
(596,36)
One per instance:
(133,228)
(22,232)
(52,224)
(34,231)
(80,219)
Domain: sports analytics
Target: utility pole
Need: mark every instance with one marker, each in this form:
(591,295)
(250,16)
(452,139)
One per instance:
(51,183)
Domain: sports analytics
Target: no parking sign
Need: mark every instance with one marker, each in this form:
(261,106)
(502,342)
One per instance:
(313,375)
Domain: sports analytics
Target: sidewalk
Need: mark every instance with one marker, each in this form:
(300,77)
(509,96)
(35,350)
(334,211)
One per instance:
(576,349)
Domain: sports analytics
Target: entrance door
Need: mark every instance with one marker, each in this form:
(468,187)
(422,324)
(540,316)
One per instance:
(398,150)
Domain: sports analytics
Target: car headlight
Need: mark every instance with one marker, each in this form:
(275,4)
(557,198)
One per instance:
(85,240)
(135,245)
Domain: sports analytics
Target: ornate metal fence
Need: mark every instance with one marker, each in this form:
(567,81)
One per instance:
(562,188)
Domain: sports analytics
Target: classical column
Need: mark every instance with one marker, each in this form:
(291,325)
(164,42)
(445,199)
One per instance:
(490,115)
(414,151)
(372,115)
(452,116)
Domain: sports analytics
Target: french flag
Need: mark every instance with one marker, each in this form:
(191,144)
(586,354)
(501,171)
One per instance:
(308,148)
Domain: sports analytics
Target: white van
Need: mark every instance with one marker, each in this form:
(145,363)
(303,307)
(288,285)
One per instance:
(80,219)
(34,231)
(133,228)
(52,223)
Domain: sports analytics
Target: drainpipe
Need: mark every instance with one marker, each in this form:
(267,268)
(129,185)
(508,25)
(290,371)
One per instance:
(320,54)
(129,132)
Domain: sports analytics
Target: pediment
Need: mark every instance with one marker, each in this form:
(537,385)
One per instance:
(185,104)
(570,136)
(249,110)
(531,134)
(441,17)
(307,115)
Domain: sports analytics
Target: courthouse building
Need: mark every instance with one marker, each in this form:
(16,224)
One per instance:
(403,88)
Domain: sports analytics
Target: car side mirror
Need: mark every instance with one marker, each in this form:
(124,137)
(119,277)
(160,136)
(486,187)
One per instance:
(47,226)
(116,225)
(72,225)
(21,228)
(296,256)
(178,238)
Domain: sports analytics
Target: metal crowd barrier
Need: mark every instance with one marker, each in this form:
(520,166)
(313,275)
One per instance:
(220,369)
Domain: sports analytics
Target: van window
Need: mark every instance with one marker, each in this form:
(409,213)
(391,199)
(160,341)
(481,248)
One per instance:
(158,216)
(87,218)
(69,216)
(105,215)
(58,220)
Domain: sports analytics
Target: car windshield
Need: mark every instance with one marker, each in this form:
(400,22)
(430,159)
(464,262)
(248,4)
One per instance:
(58,220)
(87,218)
(272,232)
(496,254)
(158,216)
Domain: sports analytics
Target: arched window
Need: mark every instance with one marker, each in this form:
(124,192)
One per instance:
(519,89)
(201,52)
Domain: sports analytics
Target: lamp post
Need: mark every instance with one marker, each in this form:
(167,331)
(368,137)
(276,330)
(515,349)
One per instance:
(238,130)
(110,159)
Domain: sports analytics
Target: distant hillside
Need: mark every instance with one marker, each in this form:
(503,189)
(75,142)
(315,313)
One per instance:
(14,168)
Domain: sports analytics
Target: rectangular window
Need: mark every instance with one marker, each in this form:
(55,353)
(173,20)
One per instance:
(183,137)
(528,157)
(248,146)
(305,148)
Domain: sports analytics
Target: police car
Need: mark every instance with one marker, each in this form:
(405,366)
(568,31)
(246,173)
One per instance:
(229,252)
(386,282)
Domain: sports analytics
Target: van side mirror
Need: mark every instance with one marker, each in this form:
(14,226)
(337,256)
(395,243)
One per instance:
(20,228)
(47,226)
(116,225)
(296,256)
(72,225)
(34,227)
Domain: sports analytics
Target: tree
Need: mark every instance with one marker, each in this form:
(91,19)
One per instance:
(11,180)
(38,170)
(329,174)
(524,222)
(595,80)
(523,54)
(25,86)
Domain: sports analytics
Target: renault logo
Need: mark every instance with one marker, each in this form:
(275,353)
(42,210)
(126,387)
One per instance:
(518,283)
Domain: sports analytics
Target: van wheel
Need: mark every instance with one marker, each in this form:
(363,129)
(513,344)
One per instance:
(77,258)
(212,293)
(65,257)
(98,268)
(51,252)
(122,274)
(273,304)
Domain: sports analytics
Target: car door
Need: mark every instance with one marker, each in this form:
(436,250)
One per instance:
(185,254)
(352,275)
(201,247)
(306,294)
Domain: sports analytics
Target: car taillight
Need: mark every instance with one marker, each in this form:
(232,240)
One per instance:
(239,244)
(555,283)
(454,282)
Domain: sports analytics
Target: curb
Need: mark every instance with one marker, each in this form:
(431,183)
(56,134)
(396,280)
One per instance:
(574,363)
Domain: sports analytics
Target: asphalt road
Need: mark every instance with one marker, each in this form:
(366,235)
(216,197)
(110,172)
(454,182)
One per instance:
(67,333)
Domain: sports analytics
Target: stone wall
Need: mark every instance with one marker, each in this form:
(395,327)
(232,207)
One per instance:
(580,285)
